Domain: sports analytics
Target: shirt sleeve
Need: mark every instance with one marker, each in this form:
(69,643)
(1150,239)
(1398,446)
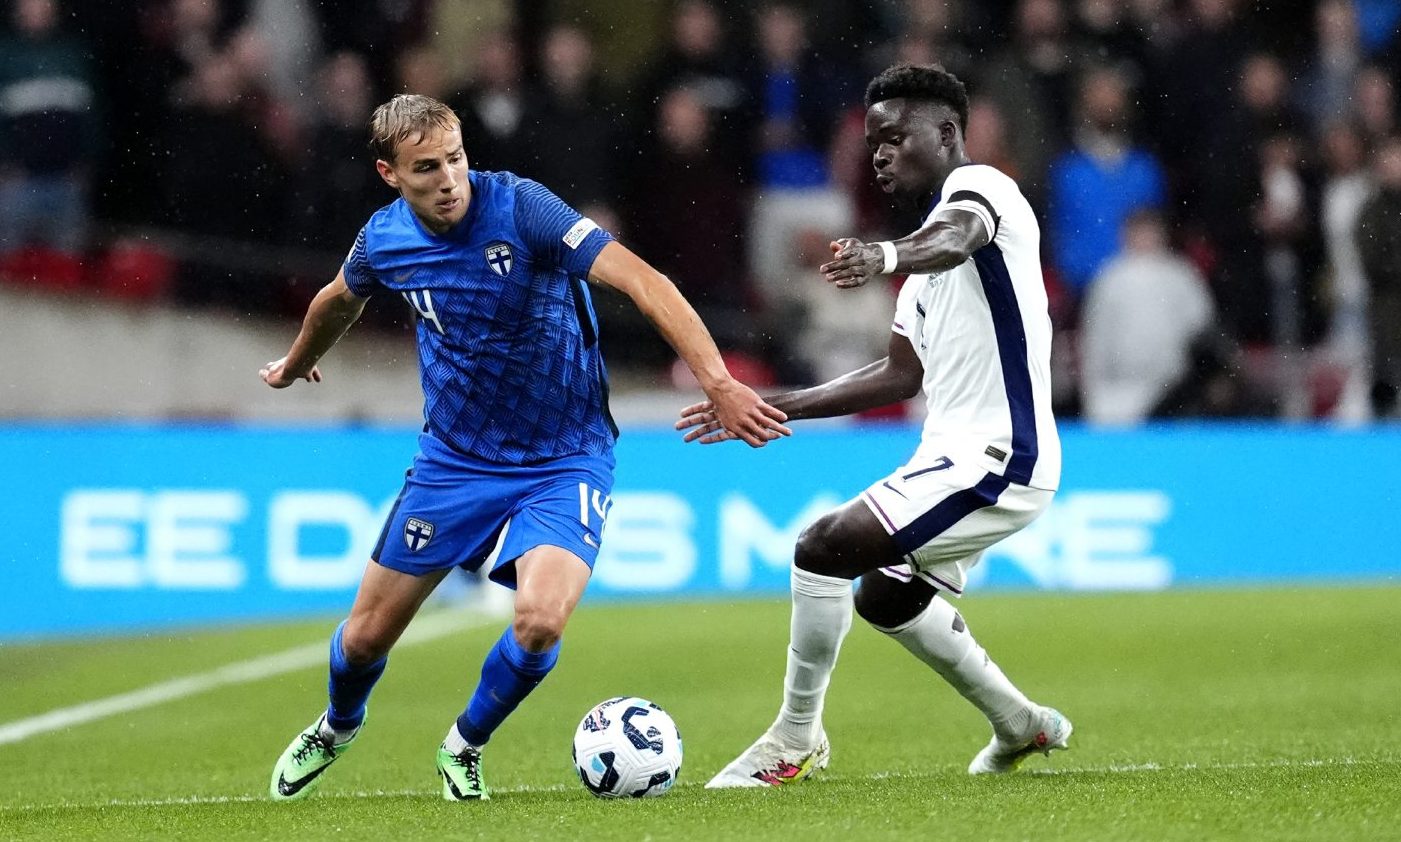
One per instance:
(556,233)
(972,189)
(359,275)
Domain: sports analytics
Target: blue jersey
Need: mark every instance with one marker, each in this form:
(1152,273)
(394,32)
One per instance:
(507,336)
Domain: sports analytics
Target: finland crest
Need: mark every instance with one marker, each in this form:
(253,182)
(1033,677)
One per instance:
(498,257)
(417,533)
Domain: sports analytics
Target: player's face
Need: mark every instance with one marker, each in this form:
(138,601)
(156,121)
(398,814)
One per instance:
(430,172)
(911,146)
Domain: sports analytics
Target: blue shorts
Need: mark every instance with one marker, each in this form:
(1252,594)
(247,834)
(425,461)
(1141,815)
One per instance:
(454,509)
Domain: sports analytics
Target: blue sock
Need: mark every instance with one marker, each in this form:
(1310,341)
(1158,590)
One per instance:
(349,686)
(508,675)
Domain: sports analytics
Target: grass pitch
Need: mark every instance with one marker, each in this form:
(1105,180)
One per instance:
(1266,714)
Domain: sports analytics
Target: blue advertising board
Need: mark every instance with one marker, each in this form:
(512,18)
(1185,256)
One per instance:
(110,527)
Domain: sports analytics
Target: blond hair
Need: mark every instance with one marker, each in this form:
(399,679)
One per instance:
(405,116)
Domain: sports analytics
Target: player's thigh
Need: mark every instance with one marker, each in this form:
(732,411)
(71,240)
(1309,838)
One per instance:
(550,581)
(385,603)
(845,542)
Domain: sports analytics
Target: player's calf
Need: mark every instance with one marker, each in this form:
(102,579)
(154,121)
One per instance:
(888,602)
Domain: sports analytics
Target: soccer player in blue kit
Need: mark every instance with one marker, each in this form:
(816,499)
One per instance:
(517,449)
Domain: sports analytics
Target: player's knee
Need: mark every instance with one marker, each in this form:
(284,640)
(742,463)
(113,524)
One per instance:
(819,548)
(887,603)
(363,644)
(537,628)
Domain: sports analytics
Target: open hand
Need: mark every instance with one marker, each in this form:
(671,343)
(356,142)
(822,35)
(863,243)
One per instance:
(733,412)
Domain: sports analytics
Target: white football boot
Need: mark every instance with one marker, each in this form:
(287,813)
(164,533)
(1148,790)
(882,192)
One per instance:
(770,763)
(1049,731)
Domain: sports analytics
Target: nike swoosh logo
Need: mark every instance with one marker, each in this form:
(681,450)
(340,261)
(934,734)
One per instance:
(290,788)
(588,539)
(893,488)
(459,794)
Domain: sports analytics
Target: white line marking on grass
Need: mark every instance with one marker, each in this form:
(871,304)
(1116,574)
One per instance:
(430,626)
(1282,763)
(203,800)
(198,800)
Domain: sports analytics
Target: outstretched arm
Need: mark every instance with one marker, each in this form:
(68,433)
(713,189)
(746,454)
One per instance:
(941,245)
(897,377)
(734,403)
(334,309)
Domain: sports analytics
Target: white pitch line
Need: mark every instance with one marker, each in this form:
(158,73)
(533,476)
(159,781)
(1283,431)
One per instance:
(205,800)
(196,800)
(425,628)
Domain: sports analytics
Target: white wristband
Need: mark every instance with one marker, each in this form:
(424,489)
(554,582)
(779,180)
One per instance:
(888,249)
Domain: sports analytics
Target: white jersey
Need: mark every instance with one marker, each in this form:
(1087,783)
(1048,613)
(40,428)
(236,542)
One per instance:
(983,334)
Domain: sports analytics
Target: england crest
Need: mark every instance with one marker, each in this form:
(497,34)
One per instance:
(498,257)
(417,533)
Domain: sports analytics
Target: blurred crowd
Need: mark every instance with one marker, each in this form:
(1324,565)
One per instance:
(1219,181)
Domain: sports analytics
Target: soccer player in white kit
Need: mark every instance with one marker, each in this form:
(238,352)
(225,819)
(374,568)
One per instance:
(971,329)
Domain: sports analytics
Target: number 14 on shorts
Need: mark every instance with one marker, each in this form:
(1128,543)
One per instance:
(593,502)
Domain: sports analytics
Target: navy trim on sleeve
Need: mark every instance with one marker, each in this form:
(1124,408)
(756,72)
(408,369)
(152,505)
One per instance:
(970,196)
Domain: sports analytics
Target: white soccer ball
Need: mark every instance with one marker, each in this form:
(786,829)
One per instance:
(627,747)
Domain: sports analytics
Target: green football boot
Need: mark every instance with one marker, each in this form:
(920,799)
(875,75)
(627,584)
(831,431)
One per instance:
(298,771)
(462,775)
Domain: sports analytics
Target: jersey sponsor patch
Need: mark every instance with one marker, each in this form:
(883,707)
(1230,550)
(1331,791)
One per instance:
(498,257)
(417,533)
(574,236)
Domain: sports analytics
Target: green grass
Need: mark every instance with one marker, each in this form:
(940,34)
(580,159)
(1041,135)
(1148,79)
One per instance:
(1263,714)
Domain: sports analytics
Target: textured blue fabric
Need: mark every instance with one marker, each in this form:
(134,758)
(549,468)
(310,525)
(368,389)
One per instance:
(349,687)
(507,336)
(509,673)
(453,508)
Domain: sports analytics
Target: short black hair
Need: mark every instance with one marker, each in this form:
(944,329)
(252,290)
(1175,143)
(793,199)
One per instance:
(928,82)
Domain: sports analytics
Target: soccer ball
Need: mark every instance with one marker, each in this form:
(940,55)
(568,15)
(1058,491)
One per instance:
(627,747)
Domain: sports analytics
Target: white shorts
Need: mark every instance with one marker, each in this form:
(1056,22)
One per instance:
(943,514)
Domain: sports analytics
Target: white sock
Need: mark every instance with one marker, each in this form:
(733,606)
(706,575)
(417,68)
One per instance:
(337,738)
(822,608)
(941,639)
(455,742)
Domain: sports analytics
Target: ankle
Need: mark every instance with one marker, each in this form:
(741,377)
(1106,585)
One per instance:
(1016,725)
(335,736)
(455,743)
(800,736)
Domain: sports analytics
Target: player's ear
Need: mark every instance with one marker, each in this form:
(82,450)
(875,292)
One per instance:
(386,172)
(948,133)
